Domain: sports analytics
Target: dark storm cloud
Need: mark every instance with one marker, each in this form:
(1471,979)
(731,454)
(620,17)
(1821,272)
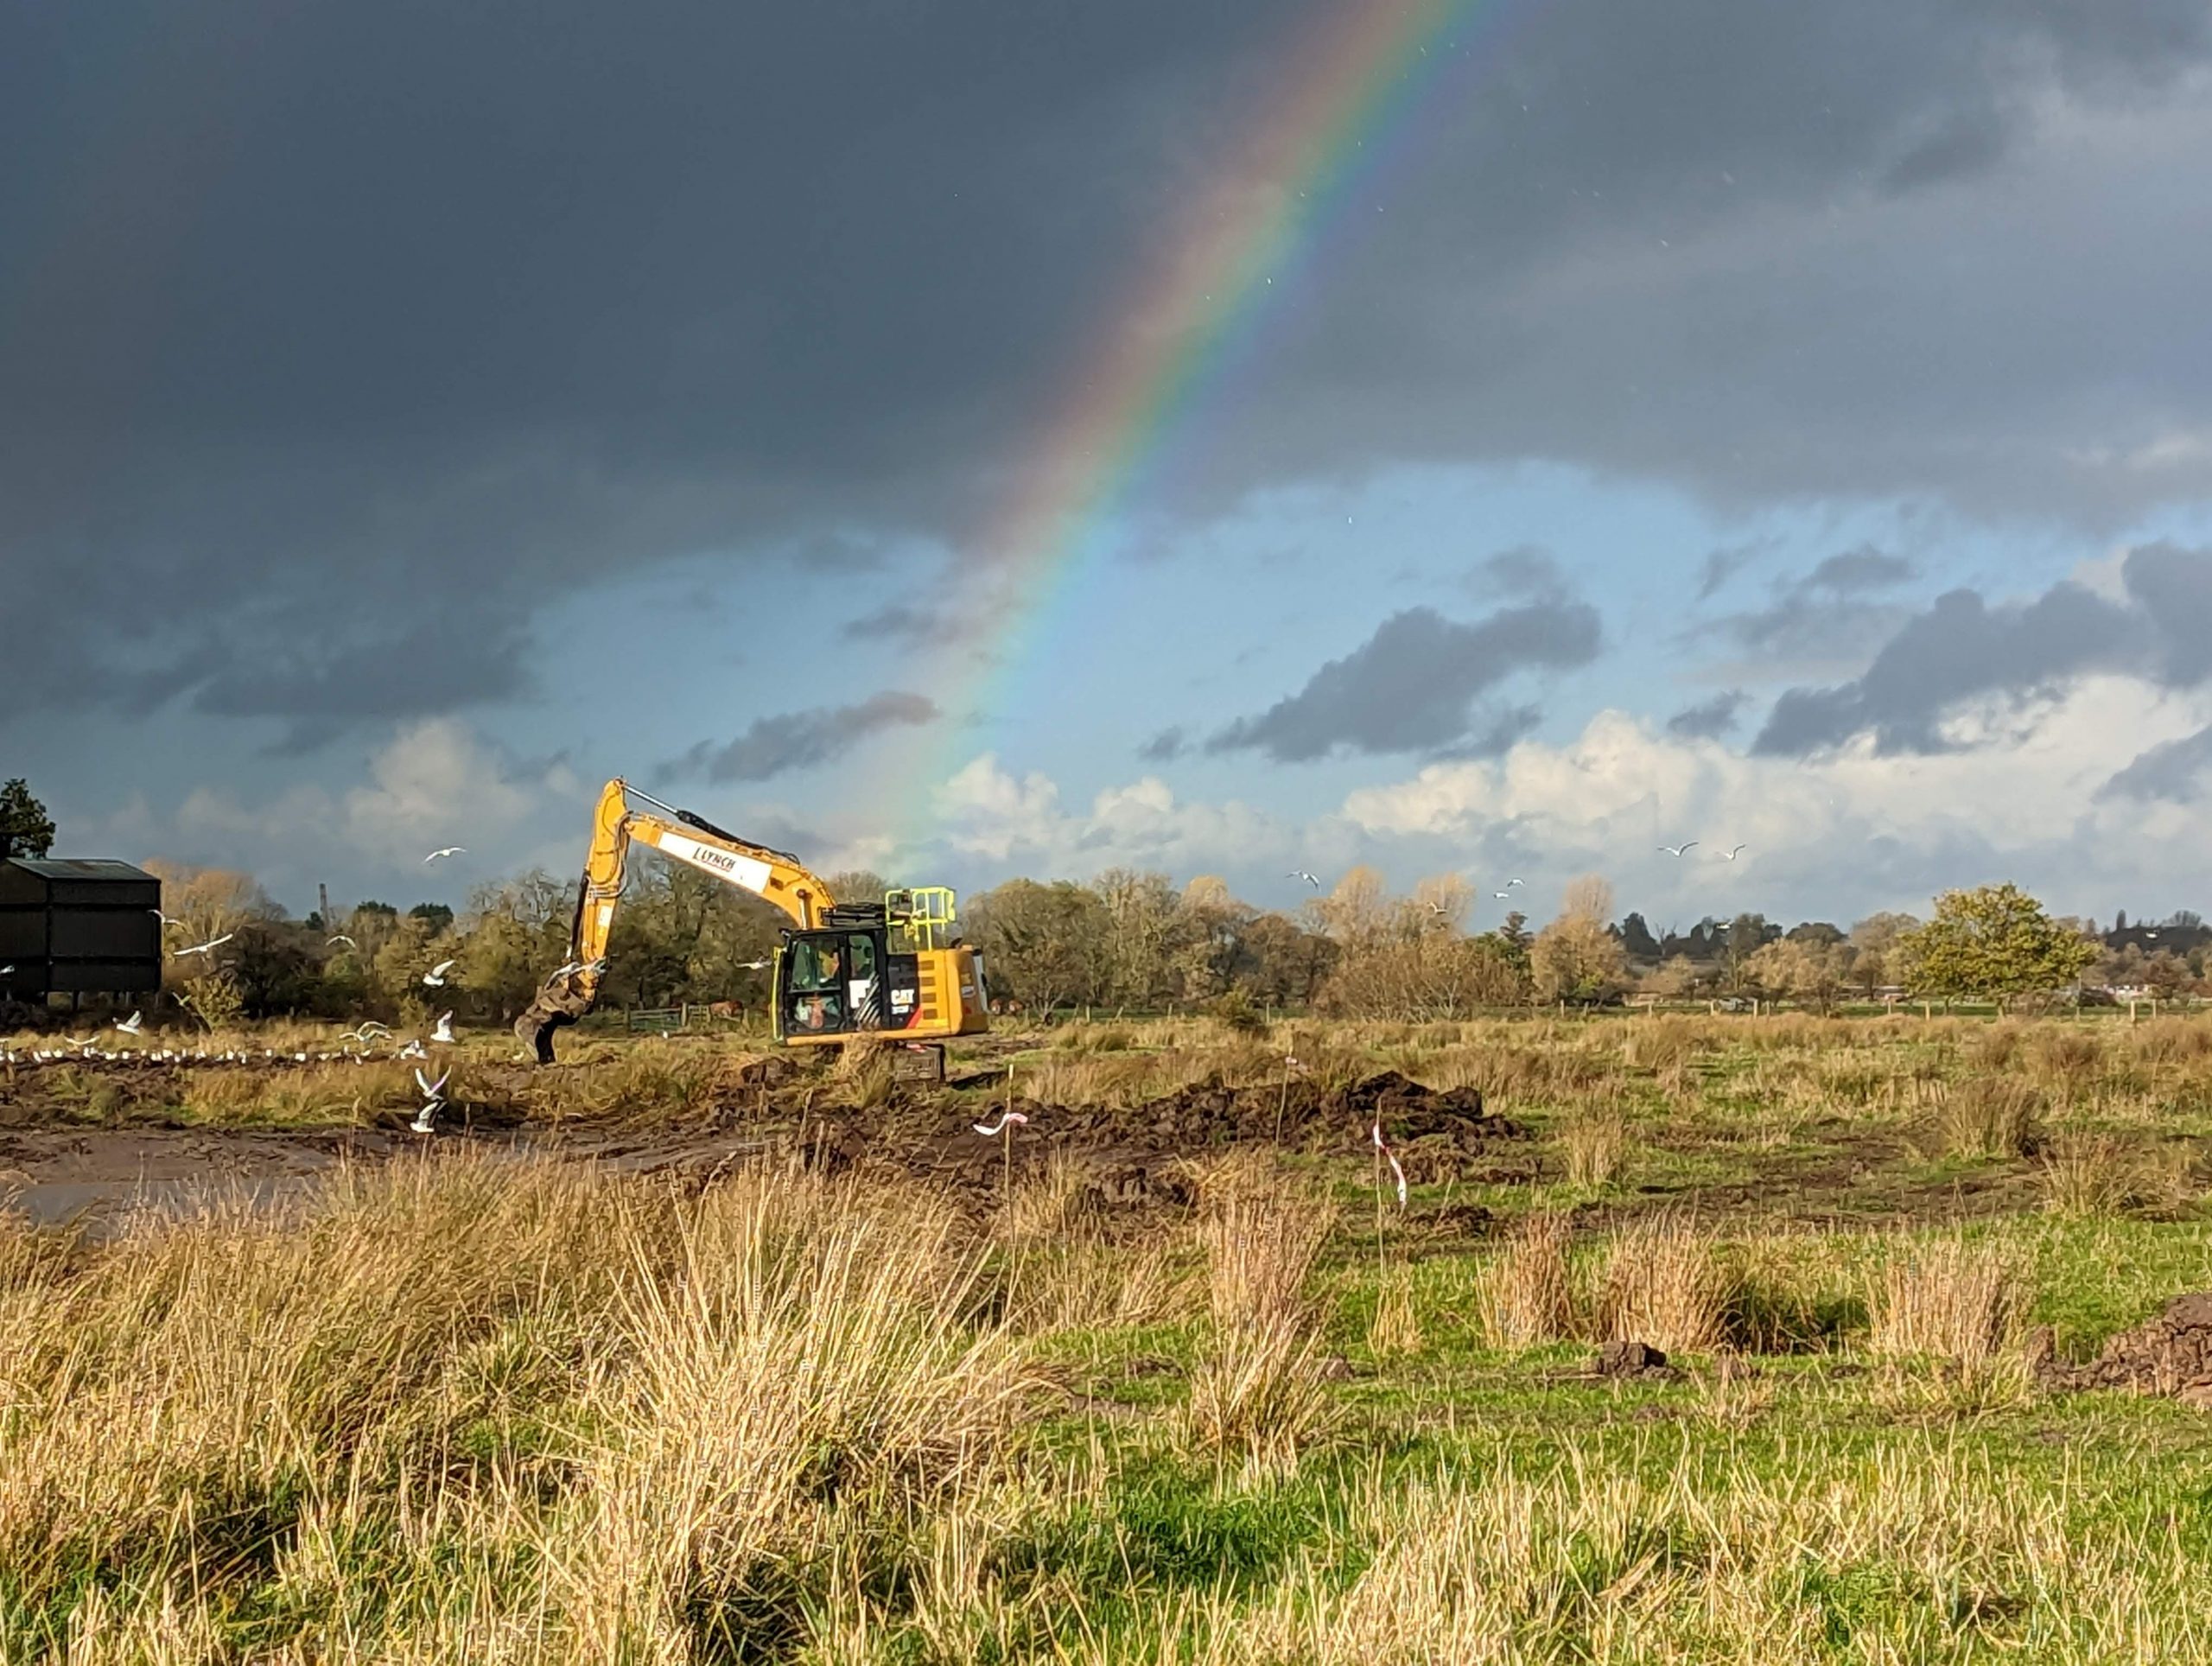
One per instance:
(308,315)
(1827,618)
(801,739)
(1964,145)
(1165,747)
(2173,770)
(1965,648)
(1722,564)
(1412,686)
(1524,572)
(1851,571)
(1708,720)
(895,621)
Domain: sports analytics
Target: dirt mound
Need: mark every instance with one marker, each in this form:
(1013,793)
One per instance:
(1634,1362)
(2169,1354)
(1421,1123)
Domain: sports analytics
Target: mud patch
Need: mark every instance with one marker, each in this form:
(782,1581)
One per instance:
(2169,1356)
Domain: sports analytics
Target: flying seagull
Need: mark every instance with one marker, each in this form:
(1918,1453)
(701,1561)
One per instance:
(437,975)
(342,938)
(755,966)
(159,915)
(9,968)
(424,1121)
(1300,874)
(446,850)
(1509,884)
(1733,851)
(130,1026)
(430,1089)
(202,948)
(1677,849)
(993,1130)
(1437,908)
(1501,895)
(444,1031)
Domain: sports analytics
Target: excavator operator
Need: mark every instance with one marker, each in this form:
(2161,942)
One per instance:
(818,994)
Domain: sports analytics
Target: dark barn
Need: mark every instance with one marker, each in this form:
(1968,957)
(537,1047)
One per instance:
(78,928)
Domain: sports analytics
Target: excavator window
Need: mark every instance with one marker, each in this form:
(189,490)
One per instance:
(816,964)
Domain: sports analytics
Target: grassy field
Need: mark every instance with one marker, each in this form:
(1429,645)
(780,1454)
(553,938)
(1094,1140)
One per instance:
(490,1402)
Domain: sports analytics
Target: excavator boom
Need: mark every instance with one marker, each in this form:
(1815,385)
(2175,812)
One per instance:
(778,878)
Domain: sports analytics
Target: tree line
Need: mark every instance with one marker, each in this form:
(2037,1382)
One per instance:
(1125,941)
(1136,941)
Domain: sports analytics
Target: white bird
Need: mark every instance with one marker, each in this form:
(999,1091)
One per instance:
(425,1118)
(444,1031)
(1509,884)
(9,968)
(159,915)
(341,938)
(1731,853)
(1501,895)
(755,966)
(1437,908)
(448,850)
(1677,849)
(130,1026)
(413,1049)
(1300,874)
(430,1089)
(204,948)
(436,974)
(991,1131)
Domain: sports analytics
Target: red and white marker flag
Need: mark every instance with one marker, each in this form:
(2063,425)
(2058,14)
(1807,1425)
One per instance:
(1390,1157)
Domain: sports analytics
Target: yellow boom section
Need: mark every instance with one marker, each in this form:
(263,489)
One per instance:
(779,878)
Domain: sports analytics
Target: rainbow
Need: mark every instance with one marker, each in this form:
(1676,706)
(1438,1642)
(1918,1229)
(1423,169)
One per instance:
(1228,263)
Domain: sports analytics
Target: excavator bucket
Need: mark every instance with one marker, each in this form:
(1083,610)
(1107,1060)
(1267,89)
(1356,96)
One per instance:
(554,1009)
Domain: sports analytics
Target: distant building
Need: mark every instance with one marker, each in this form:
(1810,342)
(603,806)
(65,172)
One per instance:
(78,928)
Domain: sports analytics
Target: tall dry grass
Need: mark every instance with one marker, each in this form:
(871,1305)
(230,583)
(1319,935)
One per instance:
(485,1409)
(1259,1392)
(1946,1299)
(1526,1294)
(1666,1283)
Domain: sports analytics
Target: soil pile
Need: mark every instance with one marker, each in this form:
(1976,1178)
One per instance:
(1414,1119)
(2169,1354)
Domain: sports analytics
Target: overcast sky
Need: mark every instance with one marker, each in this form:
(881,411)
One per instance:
(1785,425)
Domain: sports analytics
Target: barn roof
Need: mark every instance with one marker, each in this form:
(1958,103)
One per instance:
(80,869)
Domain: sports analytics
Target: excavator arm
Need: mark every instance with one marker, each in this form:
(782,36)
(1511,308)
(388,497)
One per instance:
(778,878)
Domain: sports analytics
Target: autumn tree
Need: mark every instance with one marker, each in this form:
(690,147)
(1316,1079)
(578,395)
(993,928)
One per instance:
(1994,942)
(1043,944)
(1872,941)
(25,827)
(1143,921)
(1575,958)
(1796,968)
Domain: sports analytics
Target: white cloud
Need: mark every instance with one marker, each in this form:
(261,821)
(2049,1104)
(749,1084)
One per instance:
(436,782)
(1835,836)
(990,813)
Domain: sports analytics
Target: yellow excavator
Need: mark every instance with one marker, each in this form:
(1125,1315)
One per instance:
(892,967)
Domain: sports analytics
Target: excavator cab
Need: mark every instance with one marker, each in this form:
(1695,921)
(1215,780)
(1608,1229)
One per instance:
(875,967)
